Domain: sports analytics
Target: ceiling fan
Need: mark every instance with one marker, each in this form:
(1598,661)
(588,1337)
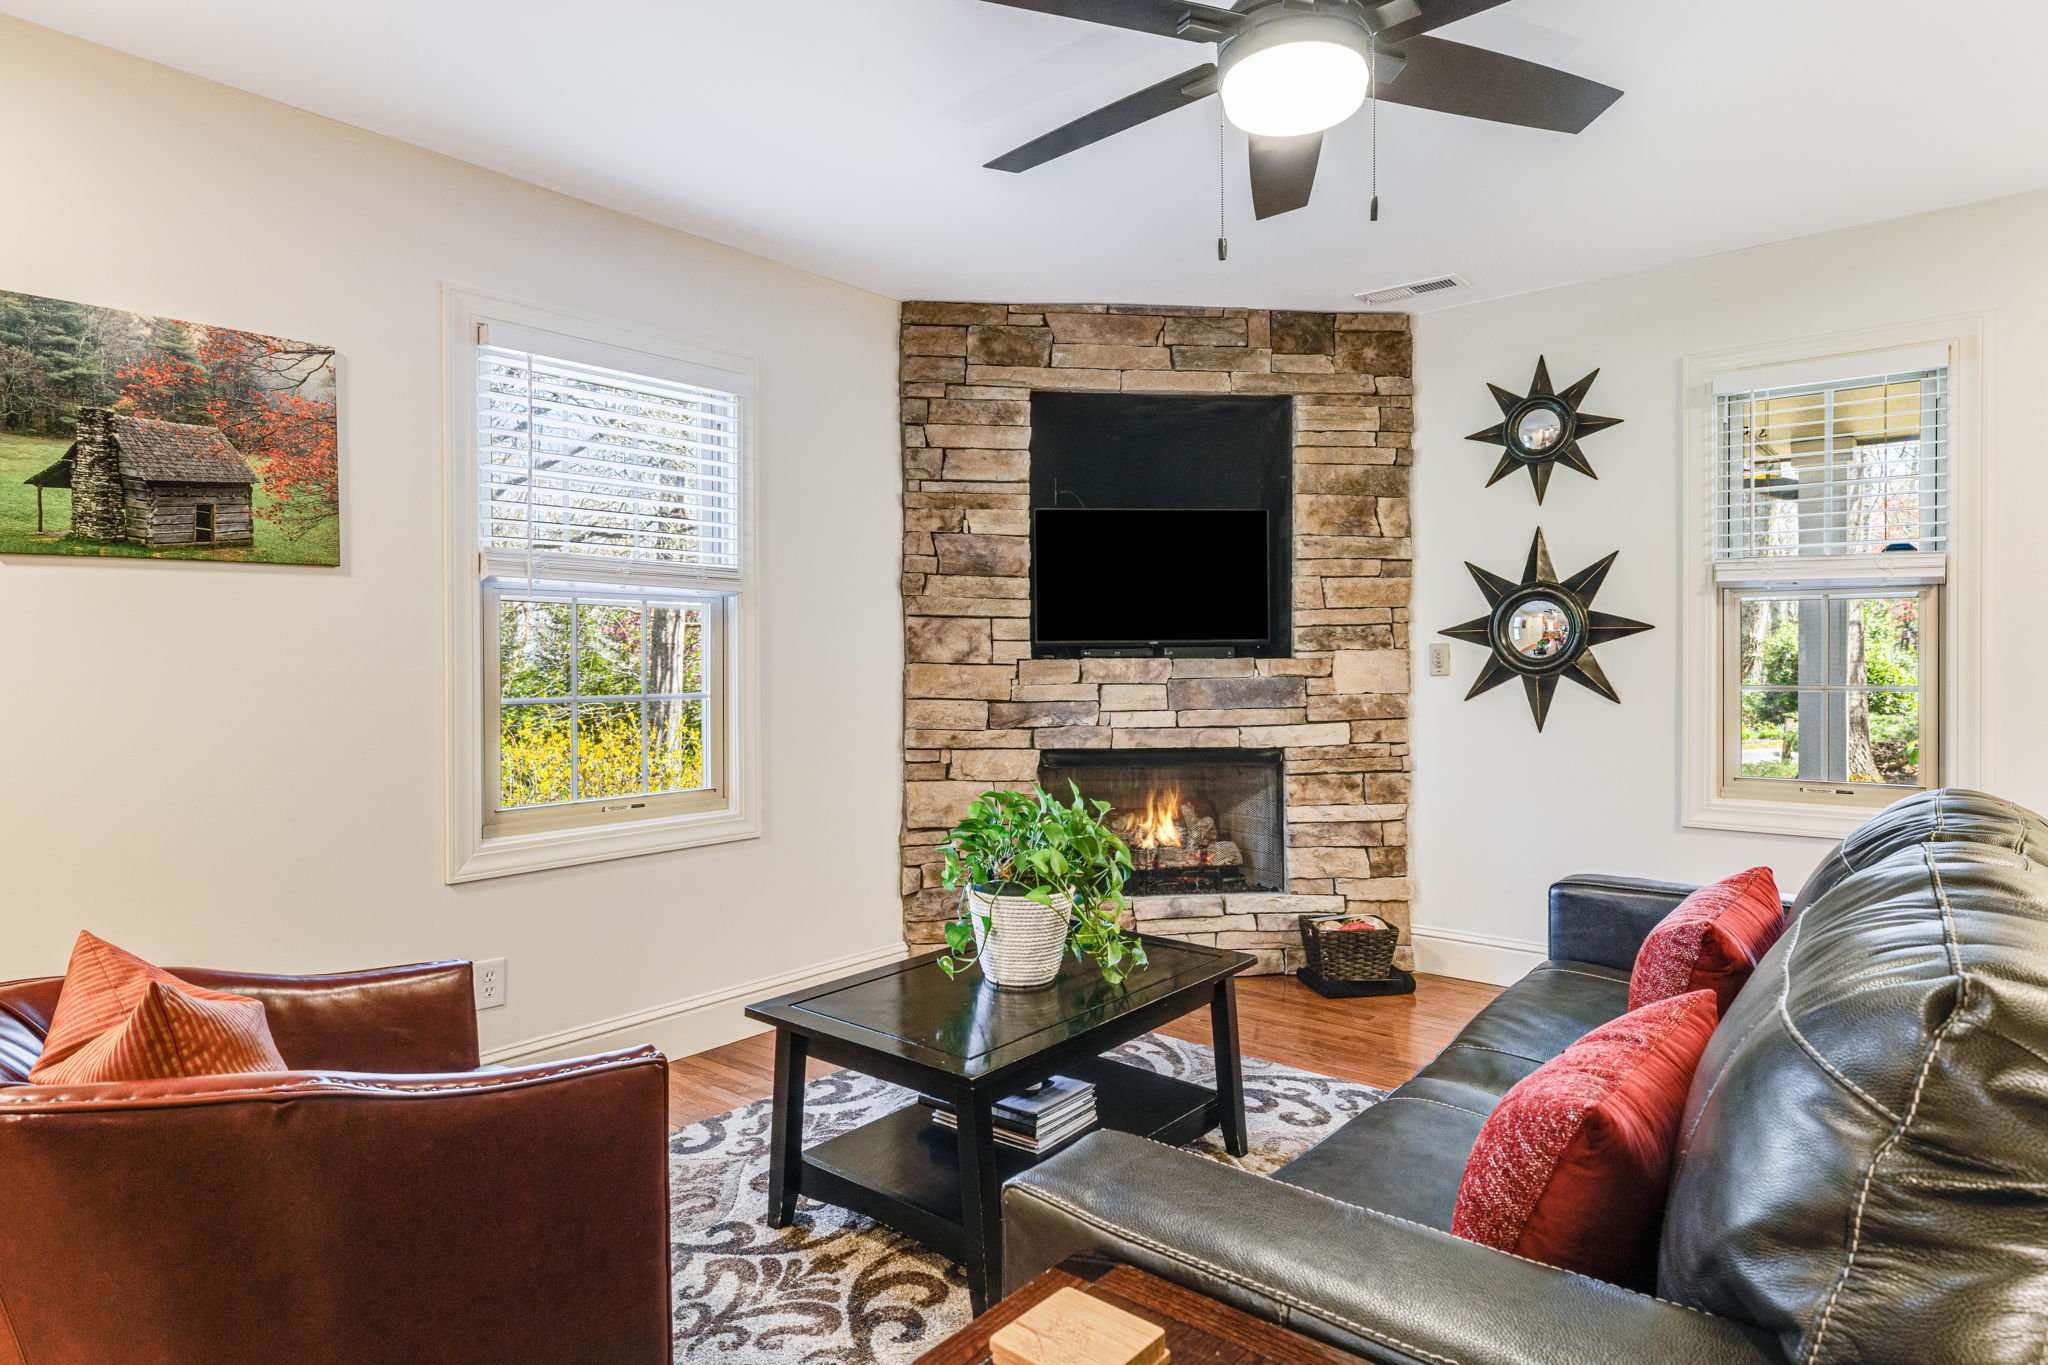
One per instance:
(1289,69)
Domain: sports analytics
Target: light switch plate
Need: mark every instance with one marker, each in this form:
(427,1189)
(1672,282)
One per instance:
(1439,661)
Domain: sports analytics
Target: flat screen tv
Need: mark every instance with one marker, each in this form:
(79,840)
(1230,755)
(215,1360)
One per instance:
(1126,579)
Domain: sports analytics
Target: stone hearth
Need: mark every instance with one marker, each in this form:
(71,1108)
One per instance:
(978,709)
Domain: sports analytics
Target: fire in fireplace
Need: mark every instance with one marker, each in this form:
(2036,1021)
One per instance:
(1197,820)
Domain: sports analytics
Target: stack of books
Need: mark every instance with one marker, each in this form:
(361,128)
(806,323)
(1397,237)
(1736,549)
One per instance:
(1039,1120)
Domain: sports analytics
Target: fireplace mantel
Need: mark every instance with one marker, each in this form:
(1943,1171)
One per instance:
(979,710)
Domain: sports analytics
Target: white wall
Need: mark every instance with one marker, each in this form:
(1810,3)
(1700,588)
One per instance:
(1501,811)
(241,766)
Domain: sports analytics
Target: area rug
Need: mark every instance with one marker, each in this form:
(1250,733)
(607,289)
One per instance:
(838,1289)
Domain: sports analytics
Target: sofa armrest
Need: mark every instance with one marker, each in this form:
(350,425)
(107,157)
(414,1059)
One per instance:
(1387,1289)
(327,1217)
(401,1020)
(1604,920)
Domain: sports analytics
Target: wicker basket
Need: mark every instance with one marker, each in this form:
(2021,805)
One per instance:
(1024,942)
(1348,954)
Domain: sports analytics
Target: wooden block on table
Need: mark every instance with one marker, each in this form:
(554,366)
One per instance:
(1070,1328)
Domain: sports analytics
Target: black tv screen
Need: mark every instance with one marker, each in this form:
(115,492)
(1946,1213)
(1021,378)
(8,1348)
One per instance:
(1131,578)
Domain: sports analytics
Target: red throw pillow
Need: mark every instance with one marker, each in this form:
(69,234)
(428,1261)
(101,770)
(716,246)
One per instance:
(1711,942)
(1572,1166)
(119,1018)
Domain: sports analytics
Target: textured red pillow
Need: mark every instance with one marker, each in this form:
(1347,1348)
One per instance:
(1572,1166)
(119,1018)
(1711,942)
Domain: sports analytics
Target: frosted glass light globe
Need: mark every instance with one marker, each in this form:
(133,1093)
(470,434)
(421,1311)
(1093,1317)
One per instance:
(1291,89)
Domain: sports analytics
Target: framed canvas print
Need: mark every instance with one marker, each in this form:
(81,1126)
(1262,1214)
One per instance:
(129,435)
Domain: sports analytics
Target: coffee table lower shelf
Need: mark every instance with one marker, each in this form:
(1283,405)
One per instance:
(903,1170)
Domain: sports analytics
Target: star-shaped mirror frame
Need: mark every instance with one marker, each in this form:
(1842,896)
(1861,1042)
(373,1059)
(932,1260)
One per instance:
(1563,448)
(1585,628)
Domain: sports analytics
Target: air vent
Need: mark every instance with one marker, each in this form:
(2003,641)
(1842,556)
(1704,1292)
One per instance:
(1402,293)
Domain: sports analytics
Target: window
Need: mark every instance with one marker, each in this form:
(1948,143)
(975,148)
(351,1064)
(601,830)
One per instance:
(605,487)
(1826,542)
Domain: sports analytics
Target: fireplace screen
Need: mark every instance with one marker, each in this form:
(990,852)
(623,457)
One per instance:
(1196,819)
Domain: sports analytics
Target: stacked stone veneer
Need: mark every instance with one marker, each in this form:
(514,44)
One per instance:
(978,709)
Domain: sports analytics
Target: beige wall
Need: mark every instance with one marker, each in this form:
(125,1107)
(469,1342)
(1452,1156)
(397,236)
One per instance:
(242,766)
(1501,811)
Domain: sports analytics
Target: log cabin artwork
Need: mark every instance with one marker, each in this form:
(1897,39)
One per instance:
(125,434)
(153,483)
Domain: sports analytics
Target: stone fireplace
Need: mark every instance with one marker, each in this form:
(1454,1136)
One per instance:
(1293,768)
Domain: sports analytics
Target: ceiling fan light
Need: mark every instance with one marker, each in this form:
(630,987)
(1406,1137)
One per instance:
(1293,89)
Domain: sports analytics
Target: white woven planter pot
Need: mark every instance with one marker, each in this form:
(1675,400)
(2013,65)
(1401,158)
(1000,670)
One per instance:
(1024,942)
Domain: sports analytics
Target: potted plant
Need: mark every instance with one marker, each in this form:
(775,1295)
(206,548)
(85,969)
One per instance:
(1037,878)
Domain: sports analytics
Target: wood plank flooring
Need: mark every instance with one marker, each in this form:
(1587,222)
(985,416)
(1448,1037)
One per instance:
(1378,1042)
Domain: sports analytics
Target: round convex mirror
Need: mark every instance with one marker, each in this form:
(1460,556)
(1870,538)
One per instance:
(1538,429)
(1539,629)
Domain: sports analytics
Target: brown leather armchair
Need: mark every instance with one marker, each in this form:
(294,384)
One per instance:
(385,1202)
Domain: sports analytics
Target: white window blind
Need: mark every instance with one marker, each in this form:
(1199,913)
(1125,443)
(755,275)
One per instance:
(590,473)
(1847,466)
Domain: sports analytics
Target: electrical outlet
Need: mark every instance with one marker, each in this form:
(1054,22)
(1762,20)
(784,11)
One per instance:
(1439,661)
(489,976)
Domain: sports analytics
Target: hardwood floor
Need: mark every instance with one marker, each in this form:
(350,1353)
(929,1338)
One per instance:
(1375,1041)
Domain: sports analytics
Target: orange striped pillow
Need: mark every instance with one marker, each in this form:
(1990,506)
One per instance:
(119,1018)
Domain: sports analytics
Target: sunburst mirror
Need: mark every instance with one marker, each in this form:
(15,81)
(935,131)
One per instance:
(1542,429)
(1543,628)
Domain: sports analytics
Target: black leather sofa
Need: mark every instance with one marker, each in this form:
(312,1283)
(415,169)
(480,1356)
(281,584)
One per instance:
(1863,1165)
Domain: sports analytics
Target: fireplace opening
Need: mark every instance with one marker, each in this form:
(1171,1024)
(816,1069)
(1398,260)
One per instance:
(1197,820)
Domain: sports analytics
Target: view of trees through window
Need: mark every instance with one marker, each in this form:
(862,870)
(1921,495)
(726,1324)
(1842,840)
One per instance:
(1840,672)
(599,699)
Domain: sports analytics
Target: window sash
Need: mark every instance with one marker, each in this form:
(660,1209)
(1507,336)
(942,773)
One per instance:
(1805,470)
(582,464)
(715,612)
(1827,789)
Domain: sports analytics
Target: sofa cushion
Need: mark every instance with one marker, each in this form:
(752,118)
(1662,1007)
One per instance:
(1572,1165)
(1406,1154)
(1863,1162)
(1711,942)
(170,1034)
(120,1018)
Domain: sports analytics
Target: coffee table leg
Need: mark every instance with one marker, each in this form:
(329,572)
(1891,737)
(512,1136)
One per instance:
(1229,1068)
(786,1129)
(980,1197)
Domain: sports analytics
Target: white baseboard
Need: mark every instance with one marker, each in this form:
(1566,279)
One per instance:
(1474,957)
(683,1027)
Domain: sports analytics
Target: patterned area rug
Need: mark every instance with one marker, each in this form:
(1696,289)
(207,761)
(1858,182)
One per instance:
(837,1289)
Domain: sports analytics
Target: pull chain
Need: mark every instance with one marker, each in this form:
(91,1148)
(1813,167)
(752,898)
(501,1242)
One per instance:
(1372,76)
(1222,178)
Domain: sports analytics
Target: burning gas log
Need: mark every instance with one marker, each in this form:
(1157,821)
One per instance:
(1172,832)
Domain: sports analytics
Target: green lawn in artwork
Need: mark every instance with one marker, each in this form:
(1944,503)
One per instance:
(21,456)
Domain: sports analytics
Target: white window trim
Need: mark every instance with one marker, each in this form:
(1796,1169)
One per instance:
(472,855)
(1964,741)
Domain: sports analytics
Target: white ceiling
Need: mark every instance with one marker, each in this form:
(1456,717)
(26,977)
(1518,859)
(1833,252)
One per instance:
(847,136)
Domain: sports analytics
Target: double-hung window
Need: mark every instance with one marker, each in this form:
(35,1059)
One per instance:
(1829,537)
(605,492)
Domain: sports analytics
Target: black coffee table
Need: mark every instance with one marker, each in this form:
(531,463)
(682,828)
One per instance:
(967,1042)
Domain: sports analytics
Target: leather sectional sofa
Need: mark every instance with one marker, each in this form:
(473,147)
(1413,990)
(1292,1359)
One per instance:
(1863,1163)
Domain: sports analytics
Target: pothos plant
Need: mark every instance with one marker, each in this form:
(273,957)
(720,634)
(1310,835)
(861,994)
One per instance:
(1031,844)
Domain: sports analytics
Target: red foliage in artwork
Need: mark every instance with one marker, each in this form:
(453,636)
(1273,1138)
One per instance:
(253,388)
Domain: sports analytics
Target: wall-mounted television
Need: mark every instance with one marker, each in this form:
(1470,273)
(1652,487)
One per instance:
(1148,580)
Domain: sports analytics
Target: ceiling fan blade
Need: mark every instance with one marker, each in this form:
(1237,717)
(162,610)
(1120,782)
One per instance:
(1196,83)
(1432,14)
(1283,173)
(1197,23)
(1452,78)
